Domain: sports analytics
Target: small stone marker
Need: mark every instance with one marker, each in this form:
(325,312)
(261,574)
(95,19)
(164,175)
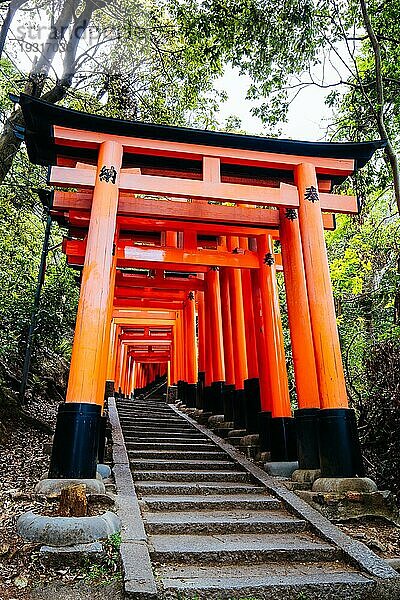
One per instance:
(73,501)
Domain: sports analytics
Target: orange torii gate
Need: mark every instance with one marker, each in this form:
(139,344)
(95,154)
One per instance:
(201,211)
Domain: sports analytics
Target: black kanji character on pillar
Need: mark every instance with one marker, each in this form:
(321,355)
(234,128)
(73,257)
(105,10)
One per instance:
(269,259)
(291,214)
(108,174)
(311,194)
(191,296)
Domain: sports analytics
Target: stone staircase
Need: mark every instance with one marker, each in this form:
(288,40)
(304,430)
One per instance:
(214,530)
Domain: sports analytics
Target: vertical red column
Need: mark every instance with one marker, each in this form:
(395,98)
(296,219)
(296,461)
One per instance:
(191,350)
(337,426)
(238,336)
(97,282)
(252,384)
(216,339)
(302,340)
(283,441)
(229,390)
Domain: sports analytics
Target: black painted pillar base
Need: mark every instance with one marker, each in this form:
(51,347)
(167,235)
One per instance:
(252,404)
(76,441)
(239,413)
(264,430)
(181,391)
(200,390)
(339,445)
(109,389)
(102,438)
(191,395)
(228,396)
(307,437)
(207,399)
(283,439)
(217,388)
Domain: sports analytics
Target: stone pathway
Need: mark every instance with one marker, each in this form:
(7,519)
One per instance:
(214,530)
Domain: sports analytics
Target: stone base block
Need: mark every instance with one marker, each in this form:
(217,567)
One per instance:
(351,505)
(67,531)
(215,421)
(344,484)
(250,440)
(281,469)
(71,555)
(52,487)
(307,476)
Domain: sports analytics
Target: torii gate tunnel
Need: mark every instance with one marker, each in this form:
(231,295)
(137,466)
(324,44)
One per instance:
(179,234)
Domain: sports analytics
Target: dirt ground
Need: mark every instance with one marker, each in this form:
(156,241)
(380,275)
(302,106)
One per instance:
(24,574)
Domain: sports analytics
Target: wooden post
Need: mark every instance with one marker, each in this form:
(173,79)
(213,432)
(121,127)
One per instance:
(332,387)
(283,443)
(273,326)
(227,327)
(340,453)
(89,360)
(215,331)
(96,287)
(191,350)
(237,313)
(298,311)
(252,359)
(302,341)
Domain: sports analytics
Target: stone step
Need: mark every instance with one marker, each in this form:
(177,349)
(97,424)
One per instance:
(198,502)
(179,427)
(175,454)
(172,445)
(152,418)
(222,521)
(266,581)
(172,465)
(192,476)
(201,487)
(184,429)
(172,439)
(240,547)
(142,414)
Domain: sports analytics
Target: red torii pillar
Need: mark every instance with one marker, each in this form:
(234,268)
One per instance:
(201,348)
(252,383)
(78,419)
(214,333)
(238,336)
(191,350)
(339,448)
(229,389)
(283,445)
(302,341)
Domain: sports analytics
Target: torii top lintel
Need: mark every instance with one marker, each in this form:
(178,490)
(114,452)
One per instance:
(53,131)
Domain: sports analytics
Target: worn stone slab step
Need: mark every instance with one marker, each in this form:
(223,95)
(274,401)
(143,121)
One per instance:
(201,487)
(129,416)
(175,454)
(192,476)
(171,439)
(199,502)
(172,465)
(237,548)
(289,581)
(222,521)
(167,426)
(171,445)
(135,414)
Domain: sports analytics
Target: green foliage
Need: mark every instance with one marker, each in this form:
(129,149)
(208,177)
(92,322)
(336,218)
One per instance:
(108,567)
